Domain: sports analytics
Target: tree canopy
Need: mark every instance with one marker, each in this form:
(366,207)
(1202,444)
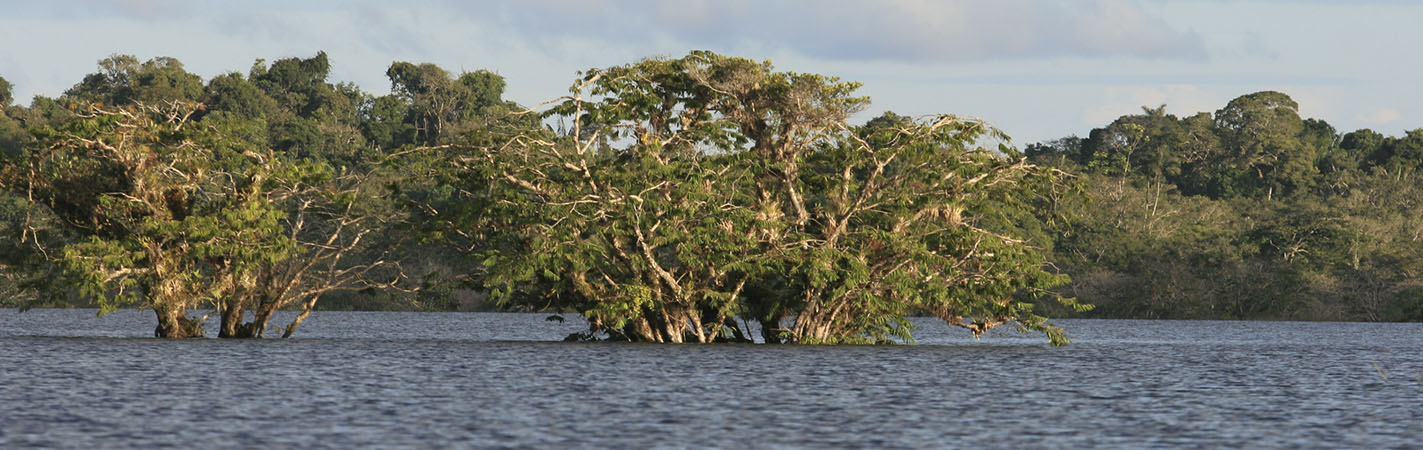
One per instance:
(686,199)
(1250,212)
(689,192)
(146,198)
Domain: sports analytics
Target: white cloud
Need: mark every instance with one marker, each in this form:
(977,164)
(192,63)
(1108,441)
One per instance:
(151,9)
(900,30)
(1379,117)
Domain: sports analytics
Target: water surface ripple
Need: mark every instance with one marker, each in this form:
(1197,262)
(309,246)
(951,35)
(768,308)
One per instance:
(420,380)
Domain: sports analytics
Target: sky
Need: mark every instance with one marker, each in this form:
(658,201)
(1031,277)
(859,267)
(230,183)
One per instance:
(1037,69)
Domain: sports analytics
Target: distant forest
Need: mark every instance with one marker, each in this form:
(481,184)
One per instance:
(663,199)
(1250,212)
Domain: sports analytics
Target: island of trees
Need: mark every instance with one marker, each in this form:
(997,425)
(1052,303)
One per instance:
(681,200)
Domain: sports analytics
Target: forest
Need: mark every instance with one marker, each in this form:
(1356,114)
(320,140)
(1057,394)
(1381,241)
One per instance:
(1250,212)
(682,200)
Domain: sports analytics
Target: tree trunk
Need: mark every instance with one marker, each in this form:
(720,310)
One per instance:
(169,299)
(234,328)
(770,330)
(173,323)
(306,310)
(641,329)
(674,326)
(262,318)
(232,325)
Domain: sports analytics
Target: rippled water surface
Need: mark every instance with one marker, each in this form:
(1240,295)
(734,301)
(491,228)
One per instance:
(392,380)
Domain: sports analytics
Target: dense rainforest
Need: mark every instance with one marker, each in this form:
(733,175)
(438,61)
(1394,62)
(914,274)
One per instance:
(1250,212)
(681,200)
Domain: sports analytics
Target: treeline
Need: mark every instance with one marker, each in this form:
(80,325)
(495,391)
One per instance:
(682,200)
(1251,212)
(668,200)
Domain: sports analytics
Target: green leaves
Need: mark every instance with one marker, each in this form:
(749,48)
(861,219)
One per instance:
(176,213)
(697,189)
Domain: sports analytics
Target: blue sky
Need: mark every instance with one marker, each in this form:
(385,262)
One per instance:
(1039,69)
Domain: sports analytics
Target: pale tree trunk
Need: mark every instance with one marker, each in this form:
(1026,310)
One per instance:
(169,302)
(642,328)
(306,310)
(812,322)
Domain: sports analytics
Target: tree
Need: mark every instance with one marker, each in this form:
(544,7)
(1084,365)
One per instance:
(691,191)
(384,125)
(1399,157)
(600,229)
(298,85)
(313,119)
(439,106)
(126,180)
(172,213)
(1261,136)
(122,80)
(1202,157)
(6,94)
(325,219)
(1293,220)
(1135,144)
(236,95)
(1362,142)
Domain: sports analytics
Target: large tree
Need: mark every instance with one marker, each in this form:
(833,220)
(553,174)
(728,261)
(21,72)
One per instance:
(123,79)
(439,106)
(1260,134)
(687,192)
(170,214)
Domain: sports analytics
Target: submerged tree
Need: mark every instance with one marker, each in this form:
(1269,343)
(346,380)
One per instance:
(172,214)
(128,180)
(689,192)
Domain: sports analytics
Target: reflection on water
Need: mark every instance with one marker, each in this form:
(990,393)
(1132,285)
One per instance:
(349,379)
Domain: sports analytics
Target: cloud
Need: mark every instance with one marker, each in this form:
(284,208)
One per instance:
(1378,117)
(887,30)
(256,26)
(152,9)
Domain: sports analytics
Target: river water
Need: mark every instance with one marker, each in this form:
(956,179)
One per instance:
(477,380)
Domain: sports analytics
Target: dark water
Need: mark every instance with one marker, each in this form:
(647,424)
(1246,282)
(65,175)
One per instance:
(422,380)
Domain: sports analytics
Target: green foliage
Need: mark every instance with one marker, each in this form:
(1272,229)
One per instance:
(692,191)
(171,213)
(235,95)
(1267,215)
(299,85)
(6,93)
(306,117)
(676,199)
(127,179)
(123,80)
(438,107)
(383,122)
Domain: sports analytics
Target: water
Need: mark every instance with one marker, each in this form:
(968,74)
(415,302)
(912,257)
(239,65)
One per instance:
(400,380)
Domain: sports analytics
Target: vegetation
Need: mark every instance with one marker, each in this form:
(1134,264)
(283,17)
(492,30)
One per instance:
(146,198)
(1248,213)
(688,193)
(682,200)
